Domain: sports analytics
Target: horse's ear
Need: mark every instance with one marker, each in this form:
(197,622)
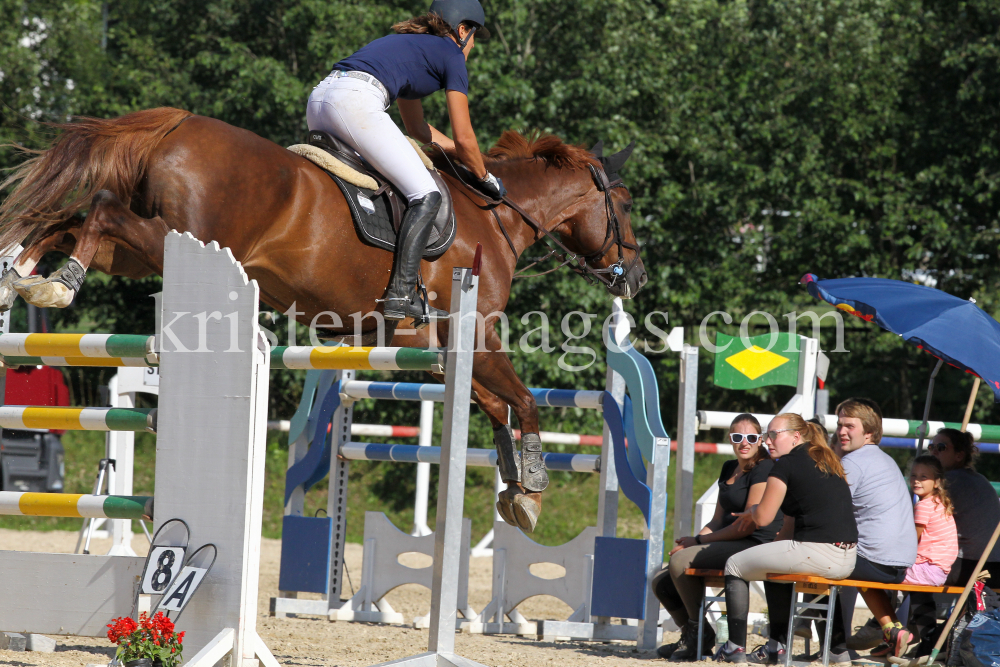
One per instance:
(617,161)
(598,150)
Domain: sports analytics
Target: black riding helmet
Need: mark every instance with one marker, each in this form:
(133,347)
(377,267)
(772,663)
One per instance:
(457,11)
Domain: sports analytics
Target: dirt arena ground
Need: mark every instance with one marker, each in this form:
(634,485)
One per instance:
(313,642)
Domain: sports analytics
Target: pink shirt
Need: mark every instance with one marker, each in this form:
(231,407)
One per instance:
(939,542)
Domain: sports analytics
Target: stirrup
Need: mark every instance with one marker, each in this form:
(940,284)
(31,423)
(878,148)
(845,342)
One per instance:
(419,309)
(429,314)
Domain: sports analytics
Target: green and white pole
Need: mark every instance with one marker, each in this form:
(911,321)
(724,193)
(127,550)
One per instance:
(78,419)
(76,505)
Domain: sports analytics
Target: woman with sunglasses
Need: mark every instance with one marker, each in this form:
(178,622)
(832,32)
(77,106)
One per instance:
(807,483)
(741,486)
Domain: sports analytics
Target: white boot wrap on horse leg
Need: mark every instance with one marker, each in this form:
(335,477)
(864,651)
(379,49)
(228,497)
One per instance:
(7,293)
(507,459)
(533,475)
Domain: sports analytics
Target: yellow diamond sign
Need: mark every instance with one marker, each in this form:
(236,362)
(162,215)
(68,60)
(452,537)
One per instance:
(748,363)
(756,361)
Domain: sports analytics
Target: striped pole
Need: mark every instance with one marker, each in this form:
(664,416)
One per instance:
(136,350)
(891,427)
(483,458)
(578,439)
(548,437)
(46,349)
(76,505)
(911,443)
(76,419)
(415,391)
(358,358)
(569,398)
(396,391)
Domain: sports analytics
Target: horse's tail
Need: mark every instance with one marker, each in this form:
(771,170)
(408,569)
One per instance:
(91,154)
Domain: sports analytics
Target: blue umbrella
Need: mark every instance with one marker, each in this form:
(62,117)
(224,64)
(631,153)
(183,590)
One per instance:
(956,331)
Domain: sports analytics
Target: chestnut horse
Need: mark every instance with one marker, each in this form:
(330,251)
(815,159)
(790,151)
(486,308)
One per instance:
(143,174)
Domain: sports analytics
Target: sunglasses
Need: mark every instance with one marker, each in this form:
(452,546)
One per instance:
(773,434)
(751,438)
(939,447)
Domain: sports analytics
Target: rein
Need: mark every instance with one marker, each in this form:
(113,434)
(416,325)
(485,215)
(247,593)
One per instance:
(579,264)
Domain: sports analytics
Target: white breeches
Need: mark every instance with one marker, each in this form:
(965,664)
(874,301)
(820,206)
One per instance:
(354,112)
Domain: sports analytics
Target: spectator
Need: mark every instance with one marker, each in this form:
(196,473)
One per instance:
(937,538)
(741,485)
(883,509)
(975,504)
(808,484)
(976,510)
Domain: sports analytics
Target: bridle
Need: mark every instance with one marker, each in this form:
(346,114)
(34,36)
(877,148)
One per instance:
(578,263)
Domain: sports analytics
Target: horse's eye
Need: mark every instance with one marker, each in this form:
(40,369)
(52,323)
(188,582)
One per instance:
(627,207)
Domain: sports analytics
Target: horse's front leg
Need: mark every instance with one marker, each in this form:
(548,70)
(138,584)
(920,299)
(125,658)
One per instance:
(108,221)
(508,459)
(499,386)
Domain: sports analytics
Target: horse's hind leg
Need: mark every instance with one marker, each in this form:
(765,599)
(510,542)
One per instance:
(29,258)
(108,220)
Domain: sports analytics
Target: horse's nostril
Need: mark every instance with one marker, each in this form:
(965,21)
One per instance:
(643,279)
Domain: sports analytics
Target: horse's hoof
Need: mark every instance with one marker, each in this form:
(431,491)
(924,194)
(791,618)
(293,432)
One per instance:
(7,293)
(504,508)
(44,293)
(527,507)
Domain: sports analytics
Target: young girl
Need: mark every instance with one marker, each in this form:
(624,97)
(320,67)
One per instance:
(937,546)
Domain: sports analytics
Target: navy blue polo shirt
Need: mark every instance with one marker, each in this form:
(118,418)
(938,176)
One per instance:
(411,66)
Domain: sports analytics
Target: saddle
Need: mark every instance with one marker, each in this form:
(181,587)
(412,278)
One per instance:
(377,206)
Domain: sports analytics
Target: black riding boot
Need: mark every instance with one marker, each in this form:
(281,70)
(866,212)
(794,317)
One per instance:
(401,299)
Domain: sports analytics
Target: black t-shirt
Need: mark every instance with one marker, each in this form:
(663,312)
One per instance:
(733,497)
(820,503)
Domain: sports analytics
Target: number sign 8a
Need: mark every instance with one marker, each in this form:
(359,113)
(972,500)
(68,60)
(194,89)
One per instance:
(164,564)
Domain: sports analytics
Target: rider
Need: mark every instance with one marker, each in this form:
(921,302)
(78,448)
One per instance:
(426,54)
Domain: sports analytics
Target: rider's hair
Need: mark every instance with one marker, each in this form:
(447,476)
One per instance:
(427,24)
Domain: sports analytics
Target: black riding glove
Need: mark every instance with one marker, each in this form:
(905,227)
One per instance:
(491,186)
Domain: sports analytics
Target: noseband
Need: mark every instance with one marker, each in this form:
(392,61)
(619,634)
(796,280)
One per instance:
(579,264)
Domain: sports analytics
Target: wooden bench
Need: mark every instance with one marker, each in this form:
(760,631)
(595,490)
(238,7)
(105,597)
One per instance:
(809,583)
(713,578)
(812,584)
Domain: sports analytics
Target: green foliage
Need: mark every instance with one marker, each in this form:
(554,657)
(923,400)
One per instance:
(844,138)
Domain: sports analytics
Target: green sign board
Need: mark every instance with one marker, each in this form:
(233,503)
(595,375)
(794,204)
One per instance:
(748,363)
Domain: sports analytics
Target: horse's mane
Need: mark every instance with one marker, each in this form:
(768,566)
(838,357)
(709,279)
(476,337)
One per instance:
(537,146)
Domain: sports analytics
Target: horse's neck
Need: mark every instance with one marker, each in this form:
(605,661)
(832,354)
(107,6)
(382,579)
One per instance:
(543,194)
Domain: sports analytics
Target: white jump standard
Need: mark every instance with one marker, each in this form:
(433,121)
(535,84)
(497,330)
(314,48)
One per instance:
(210,453)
